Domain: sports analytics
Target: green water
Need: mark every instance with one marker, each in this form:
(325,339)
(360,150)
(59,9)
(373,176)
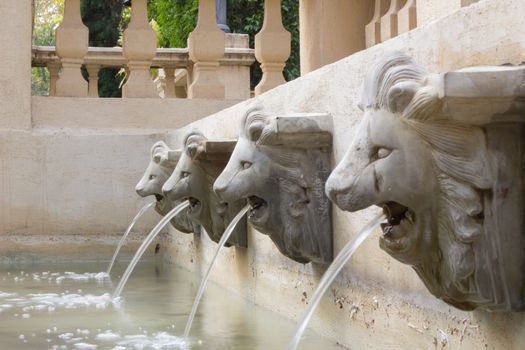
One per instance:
(41,309)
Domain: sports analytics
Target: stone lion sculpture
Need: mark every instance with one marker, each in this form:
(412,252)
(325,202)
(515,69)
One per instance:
(434,178)
(192,179)
(280,165)
(162,163)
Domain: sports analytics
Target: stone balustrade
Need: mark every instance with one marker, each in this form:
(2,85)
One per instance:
(235,59)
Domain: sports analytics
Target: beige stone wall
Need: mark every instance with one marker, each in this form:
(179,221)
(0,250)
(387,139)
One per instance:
(15,64)
(377,303)
(75,171)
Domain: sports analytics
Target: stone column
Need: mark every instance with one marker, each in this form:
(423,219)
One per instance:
(206,48)
(331,30)
(54,70)
(15,65)
(221,8)
(169,90)
(93,70)
(389,21)
(139,47)
(407,17)
(272,47)
(72,45)
(373,28)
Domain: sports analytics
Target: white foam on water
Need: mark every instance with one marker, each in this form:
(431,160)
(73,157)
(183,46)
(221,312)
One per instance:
(157,341)
(51,301)
(100,277)
(108,336)
(66,336)
(85,346)
(4,295)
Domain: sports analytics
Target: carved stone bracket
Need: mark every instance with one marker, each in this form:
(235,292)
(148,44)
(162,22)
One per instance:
(444,155)
(200,164)
(280,164)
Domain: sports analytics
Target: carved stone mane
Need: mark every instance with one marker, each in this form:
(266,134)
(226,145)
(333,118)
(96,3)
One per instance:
(452,230)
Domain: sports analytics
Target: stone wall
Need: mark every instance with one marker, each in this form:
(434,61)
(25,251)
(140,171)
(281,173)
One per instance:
(376,303)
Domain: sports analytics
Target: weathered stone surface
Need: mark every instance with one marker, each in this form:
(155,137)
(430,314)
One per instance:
(200,164)
(162,163)
(452,190)
(280,164)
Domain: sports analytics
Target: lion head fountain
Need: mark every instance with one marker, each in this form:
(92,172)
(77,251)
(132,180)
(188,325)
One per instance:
(280,164)
(199,165)
(162,163)
(438,172)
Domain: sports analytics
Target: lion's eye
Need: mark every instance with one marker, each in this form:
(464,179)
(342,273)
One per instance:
(383,153)
(185,174)
(246,165)
(152,177)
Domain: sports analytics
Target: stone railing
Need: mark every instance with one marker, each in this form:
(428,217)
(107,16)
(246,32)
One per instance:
(394,17)
(198,71)
(175,63)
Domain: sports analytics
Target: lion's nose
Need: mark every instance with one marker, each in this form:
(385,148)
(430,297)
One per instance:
(167,191)
(140,190)
(220,187)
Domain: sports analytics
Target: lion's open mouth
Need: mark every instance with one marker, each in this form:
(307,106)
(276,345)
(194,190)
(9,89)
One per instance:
(195,205)
(399,220)
(258,209)
(159,197)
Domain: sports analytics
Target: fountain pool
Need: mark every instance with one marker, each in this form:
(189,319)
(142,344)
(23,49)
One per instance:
(43,307)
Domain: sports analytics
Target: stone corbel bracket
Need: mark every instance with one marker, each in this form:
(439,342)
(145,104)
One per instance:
(444,155)
(199,164)
(280,164)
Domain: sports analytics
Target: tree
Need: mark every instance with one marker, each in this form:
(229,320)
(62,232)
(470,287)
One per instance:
(175,19)
(103,18)
(47,16)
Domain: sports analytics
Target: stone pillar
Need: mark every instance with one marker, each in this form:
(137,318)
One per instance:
(272,47)
(72,45)
(169,90)
(139,47)
(15,65)
(93,70)
(206,48)
(389,21)
(331,30)
(221,8)
(407,17)
(54,70)
(373,28)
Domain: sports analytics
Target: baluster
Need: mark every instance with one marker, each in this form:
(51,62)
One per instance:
(407,17)
(206,48)
(373,28)
(139,47)
(93,70)
(71,46)
(54,69)
(272,47)
(169,76)
(389,21)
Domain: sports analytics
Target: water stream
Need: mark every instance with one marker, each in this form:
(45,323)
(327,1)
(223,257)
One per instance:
(128,230)
(227,233)
(331,273)
(163,222)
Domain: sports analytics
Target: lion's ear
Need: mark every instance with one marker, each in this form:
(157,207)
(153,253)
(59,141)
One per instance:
(255,130)
(195,150)
(400,95)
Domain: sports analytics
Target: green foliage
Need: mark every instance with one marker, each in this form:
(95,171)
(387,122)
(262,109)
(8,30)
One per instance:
(103,18)
(48,15)
(175,19)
